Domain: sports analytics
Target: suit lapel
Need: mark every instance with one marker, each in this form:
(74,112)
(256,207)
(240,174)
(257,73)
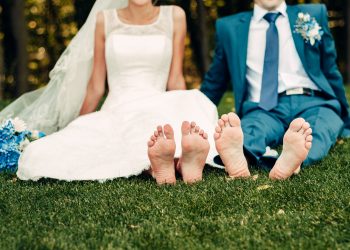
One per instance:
(293,12)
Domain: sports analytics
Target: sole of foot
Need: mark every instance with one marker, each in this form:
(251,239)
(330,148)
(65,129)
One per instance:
(297,143)
(229,144)
(161,151)
(195,149)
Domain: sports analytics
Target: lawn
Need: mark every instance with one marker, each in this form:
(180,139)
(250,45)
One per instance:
(309,211)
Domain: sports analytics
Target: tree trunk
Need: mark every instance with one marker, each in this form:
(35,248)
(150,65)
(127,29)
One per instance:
(20,39)
(228,8)
(198,31)
(203,38)
(2,73)
(55,39)
(82,10)
(348,41)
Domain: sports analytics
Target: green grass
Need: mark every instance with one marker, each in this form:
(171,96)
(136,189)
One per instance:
(311,210)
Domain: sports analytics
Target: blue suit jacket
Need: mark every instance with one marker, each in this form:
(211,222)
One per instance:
(229,64)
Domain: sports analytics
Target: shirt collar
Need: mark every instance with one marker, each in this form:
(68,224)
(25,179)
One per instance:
(260,12)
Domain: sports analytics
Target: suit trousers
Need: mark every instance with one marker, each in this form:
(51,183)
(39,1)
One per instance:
(266,128)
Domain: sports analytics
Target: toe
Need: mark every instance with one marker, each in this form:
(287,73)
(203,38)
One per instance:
(153,138)
(234,120)
(218,129)
(221,123)
(225,119)
(309,138)
(304,128)
(150,144)
(201,132)
(296,124)
(193,127)
(185,128)
(216,136)
(169,132)
(160,131)
(156,134)
(308,145)
(197,129)
(205,136)
(308,132)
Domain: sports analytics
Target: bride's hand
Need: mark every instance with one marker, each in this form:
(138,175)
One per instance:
(96,86)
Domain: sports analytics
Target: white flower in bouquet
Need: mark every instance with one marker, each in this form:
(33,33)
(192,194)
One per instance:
(23,144)
(19,125)
(35,135)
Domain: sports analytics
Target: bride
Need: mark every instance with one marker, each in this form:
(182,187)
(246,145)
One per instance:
(140,50)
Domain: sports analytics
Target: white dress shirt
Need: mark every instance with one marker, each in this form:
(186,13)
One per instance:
(291,73)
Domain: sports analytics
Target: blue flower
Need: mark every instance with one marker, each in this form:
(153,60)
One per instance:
(13,139)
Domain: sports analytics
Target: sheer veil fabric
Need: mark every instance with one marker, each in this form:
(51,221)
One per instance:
(53,107)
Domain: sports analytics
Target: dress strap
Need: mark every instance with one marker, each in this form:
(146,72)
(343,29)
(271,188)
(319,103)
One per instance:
(110,20)
(167,20)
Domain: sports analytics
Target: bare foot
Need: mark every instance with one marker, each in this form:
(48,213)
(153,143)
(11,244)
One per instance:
(195,149)
(297,143)
(229,144)
(161,151)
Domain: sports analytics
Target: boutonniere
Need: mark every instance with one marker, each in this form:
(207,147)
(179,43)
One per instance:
(308,28)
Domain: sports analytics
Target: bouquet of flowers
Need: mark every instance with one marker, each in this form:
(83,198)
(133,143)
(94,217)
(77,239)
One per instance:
(308,28)
(14,137)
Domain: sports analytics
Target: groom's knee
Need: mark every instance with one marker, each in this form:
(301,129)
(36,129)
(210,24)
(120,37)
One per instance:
(321,146)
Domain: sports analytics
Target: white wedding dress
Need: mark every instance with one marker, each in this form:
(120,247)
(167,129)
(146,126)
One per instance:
(112,142)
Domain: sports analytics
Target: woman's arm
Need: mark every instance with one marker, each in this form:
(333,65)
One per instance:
(96,85)
(176,78)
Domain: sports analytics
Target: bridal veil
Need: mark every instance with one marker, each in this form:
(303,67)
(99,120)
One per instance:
(54,106)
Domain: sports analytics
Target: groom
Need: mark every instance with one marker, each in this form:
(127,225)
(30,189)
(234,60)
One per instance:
(284,82)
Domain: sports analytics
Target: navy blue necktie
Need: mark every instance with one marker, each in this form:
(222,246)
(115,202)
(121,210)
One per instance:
(269,86)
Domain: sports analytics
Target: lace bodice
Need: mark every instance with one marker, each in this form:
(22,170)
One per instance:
(138,57)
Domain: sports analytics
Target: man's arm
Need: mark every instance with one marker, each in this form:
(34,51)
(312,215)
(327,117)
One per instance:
(215,81)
